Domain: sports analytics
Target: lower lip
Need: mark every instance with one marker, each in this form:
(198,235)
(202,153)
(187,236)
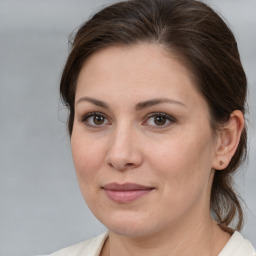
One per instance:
(128,196)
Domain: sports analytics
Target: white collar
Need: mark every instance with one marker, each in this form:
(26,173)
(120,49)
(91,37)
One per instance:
(237,246)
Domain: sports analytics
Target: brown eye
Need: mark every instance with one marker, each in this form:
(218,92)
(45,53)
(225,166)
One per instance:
(95,120)
(160,120)
(98,120)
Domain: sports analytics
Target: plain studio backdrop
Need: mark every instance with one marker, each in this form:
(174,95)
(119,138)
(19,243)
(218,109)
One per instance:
(41,209)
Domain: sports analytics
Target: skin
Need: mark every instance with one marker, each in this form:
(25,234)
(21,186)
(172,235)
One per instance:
(175,157)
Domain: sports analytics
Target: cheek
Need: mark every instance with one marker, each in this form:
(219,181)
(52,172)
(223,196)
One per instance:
(87,157)
(184,162)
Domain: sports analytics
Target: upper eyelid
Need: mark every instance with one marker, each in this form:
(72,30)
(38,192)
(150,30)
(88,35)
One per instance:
(160,114)
(89,114)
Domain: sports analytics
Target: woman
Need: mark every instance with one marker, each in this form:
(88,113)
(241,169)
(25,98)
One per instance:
(156,93)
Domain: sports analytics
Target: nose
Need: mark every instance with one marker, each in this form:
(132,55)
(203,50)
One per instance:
(123,151)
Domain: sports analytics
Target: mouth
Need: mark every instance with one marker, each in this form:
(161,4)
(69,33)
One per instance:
(125,193)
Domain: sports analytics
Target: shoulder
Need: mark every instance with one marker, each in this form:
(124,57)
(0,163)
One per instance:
(238,246)
(90,247)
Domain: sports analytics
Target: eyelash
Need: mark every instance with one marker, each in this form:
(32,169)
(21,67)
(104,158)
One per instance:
(170,119)
(167,117)
(86,117)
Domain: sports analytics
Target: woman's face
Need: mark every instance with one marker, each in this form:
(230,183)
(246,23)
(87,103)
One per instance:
(142,144)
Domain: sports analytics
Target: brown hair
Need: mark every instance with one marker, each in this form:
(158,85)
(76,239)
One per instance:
(199,36)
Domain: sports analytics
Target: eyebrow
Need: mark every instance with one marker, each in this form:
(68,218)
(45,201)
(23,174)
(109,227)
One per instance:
(139,106)
(94,101)
(153,102)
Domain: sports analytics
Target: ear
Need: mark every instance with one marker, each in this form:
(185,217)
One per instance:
(227,140)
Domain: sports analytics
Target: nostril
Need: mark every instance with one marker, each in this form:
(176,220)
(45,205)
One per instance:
(121,167)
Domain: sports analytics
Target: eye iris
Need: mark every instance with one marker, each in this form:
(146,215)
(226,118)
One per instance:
(160,120)
(98,120)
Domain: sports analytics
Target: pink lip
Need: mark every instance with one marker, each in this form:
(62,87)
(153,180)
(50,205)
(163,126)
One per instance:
(125,193)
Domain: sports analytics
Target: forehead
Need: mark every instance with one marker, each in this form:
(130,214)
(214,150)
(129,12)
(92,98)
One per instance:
(141,70)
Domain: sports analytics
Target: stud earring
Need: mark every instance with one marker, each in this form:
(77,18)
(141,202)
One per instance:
(221,163)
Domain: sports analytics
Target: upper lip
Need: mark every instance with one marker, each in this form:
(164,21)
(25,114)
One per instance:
(125,187)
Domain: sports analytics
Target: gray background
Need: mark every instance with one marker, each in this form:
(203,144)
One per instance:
(41,209)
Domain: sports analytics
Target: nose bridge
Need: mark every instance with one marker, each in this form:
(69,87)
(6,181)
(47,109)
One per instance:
(123,150)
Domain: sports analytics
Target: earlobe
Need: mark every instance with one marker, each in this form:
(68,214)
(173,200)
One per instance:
(228,140)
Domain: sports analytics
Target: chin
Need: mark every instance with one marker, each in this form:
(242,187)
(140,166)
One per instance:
(129,224)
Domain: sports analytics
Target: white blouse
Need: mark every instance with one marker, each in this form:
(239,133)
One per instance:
(236,246)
